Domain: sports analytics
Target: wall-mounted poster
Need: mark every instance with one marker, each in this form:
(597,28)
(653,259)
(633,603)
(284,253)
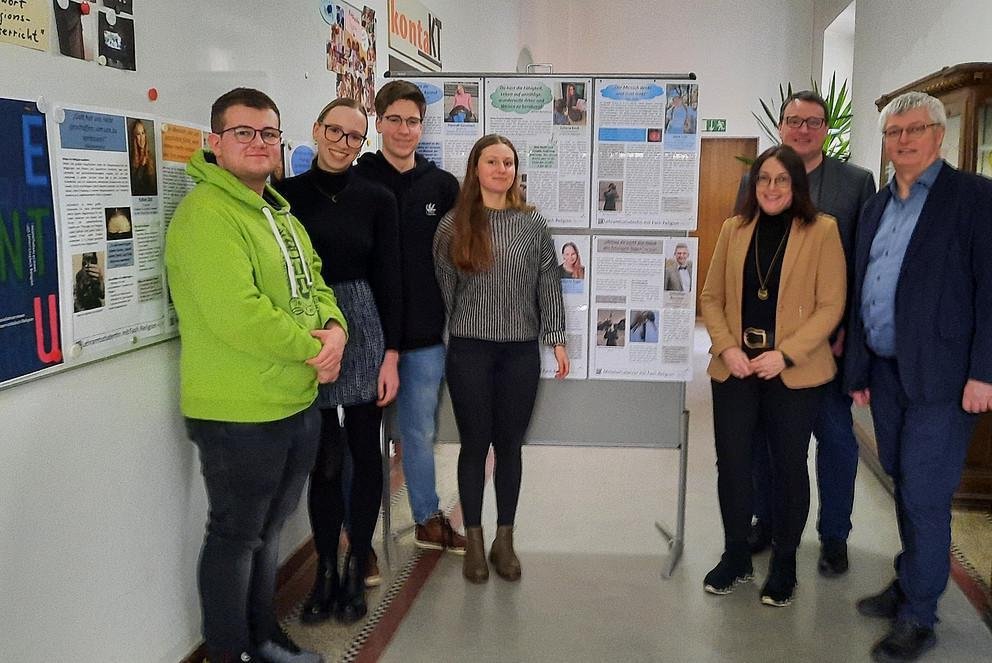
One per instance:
(573,261)
(452,123)
(643,308)
(351,51)
(646,157)
(110,233)
(104,33)
(30,337)
(24,23)
(547,121)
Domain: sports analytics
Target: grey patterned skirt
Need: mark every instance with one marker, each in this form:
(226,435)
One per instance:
(363,354)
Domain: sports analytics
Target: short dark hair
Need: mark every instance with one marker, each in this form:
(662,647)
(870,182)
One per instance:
(394,91)
(239,96)
(804,95)
(802,205)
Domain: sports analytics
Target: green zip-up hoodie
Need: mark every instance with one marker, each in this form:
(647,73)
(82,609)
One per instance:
(247,288)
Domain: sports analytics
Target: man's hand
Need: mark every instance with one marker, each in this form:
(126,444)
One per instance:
(861,397)
(327,362)
(977,397)
(389,378)
(737,362)
(768,365)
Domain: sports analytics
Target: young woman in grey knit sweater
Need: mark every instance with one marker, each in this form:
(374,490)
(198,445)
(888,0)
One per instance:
(497,269)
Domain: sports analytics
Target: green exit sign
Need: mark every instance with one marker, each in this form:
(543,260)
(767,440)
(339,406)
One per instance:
(719,125)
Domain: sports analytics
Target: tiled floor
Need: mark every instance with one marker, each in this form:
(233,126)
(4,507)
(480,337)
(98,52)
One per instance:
(593,589)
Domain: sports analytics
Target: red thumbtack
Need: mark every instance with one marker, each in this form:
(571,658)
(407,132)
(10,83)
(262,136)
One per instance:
(152,94)
(84,8)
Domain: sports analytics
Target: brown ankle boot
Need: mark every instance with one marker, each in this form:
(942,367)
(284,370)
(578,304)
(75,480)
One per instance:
(474,566)
(504,560)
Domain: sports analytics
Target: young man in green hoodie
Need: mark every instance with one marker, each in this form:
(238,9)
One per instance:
(259,329)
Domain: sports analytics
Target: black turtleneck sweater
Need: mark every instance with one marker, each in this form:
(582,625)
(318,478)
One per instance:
(769,232)
(353,225)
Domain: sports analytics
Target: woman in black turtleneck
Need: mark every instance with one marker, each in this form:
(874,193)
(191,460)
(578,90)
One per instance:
(353,225)
(773,294)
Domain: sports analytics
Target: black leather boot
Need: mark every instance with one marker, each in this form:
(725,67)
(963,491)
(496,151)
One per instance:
(351,597)
(320,605)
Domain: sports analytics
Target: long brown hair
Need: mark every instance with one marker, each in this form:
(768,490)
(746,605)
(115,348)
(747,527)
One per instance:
(471,242)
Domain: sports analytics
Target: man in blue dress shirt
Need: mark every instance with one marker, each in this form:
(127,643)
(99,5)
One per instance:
(920,351)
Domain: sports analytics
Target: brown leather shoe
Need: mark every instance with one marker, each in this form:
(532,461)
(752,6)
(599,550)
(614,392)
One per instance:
(438,534)
(502,556)
(373,578)
(474,566)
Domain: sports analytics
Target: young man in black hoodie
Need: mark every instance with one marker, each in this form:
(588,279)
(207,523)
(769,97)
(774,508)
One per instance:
(424,193)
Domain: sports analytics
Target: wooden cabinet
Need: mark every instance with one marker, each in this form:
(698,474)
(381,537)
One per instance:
(966,90)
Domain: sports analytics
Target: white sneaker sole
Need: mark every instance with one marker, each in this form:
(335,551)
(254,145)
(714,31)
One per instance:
(429,545)
(741,580)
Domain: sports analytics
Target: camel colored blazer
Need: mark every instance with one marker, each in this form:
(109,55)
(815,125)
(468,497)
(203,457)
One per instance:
(811,294)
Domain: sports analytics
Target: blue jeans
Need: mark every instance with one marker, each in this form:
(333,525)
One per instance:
(254,475)
(421,373)
(836,466)
(922,446)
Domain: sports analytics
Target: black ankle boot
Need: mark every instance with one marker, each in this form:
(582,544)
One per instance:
(351,599)
(321,603)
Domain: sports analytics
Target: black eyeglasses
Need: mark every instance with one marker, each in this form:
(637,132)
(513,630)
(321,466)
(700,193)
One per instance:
(245,134)
(334,133)
(913,130)
(794,122)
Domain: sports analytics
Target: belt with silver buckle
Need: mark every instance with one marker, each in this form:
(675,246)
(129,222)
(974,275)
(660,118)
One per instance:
(758,339)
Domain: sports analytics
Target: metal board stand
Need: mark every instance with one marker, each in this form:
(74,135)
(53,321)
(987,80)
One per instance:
(676,541)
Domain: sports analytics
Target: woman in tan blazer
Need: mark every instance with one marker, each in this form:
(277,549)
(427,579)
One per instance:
(774,292)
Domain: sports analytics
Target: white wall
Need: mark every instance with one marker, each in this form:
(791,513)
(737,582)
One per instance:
(101,502)
(838,50)
(897,42)
(740,53)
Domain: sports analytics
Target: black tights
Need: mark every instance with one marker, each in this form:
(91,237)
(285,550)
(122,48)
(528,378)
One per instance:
(493,387)
(326,497)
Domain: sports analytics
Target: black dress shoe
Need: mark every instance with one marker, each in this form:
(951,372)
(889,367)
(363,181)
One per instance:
(884,605)
(833,558)
(320,605)
(760,536)
(905,642)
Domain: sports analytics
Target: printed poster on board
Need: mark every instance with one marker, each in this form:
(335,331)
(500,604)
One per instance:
(30,335)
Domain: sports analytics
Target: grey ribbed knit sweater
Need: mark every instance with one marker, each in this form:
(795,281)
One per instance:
(518,297)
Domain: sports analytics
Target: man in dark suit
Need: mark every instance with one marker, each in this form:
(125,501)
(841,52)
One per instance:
(839,189)
(678,270)
(920,351)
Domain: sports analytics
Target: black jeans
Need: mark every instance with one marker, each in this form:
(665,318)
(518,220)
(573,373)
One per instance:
(326,497)
(493,387)
(786,415)
(254,475)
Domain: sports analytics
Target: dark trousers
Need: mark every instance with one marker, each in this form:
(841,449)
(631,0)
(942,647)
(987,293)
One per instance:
(254,475)
(786,415)
(836,465)
(493,387)
(922,446)
(360,438)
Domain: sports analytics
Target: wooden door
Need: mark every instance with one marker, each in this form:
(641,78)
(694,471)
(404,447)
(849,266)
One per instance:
(720,174)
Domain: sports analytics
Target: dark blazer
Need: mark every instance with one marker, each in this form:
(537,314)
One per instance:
(944,295)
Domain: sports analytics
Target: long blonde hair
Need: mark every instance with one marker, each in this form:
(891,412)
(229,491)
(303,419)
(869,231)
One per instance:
(471,242)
